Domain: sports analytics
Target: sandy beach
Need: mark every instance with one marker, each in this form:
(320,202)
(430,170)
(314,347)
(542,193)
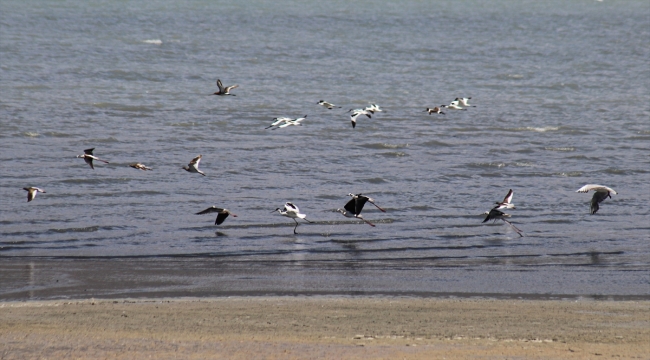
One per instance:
(325,327)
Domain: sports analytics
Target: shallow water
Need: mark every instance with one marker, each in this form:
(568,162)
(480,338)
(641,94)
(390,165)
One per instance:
(561,96)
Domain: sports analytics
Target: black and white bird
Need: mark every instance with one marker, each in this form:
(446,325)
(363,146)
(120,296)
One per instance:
(140,166)
(373,108)
(222,214)
(278,121)
(435,110)
(327,104)
(600,194)
(88,158)
(282,122)
(224,90)
(291,211)
(464,102)
(495,215)
(193,166)
(355,114)
(506,203)
(454,105)
(353,208)
(32,191)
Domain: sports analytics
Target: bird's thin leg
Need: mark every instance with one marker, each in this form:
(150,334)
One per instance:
(377,206)
(513,227)
(308,221)
(366,221)
(294,229)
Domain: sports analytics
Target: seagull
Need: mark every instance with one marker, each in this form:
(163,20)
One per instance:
(454,105)
(435,110)
(360,200)
(353,208)
(600,194)
(140,166)
(355,114)
(88,157)
(224,90)
(291,211)
(193,166)
(32,191)
(223,214)
(505,204)
(464,102)
(327,105)
(495,215)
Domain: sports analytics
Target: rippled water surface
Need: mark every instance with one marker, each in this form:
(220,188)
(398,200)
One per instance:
(561,93)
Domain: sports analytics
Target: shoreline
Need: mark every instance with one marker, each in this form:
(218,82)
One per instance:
(324,327)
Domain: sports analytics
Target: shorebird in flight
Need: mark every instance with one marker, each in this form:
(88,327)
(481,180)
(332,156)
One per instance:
(454,105)
(353,208)
(600,194)
(140,166)
(495,215)
(506,203)
(291,211)
(361,200)
(224,90)
(373,108)
(88,158)
(277,121)
(282,122)
(32,191)
(327,104)
(193,166)
(464,102)
(222,214)
(355,114)
(435,110)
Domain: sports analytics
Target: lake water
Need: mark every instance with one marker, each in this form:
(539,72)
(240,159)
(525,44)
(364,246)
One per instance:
(561,91)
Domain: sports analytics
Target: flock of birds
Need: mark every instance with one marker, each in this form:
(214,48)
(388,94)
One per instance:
(352,208)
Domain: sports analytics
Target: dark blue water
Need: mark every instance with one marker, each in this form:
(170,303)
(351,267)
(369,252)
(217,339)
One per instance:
(561,94)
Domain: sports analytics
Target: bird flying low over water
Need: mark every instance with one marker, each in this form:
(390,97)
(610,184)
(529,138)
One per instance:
(600,194)
(454,105)
(32,191)
(222,214)
(464,102)
(282,122)
(355,114)
(88,158)
(435,110)
(373,108)
(506,203)
(224,90)
(327,104)
(495,215)
(291,211)
(140,166)
(353,207)
(193,166)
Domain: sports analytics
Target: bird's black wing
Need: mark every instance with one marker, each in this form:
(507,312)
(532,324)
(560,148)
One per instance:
(220,218)
(350,206)
(89,151)
(360,201)
(598,197)
(209,210)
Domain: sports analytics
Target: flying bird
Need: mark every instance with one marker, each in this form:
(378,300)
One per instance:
(193,166)
(327,104)
(140,166)
(88,157)
(353,207)
(464,102)
(373,108)
(600,194)
(224,90)
(435,110)
(291,211)
(222,214)
(355,114)
(495,215)
(32,191)
(506,203)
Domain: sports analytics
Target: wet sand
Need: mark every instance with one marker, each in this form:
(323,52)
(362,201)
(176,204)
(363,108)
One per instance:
(325,327)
